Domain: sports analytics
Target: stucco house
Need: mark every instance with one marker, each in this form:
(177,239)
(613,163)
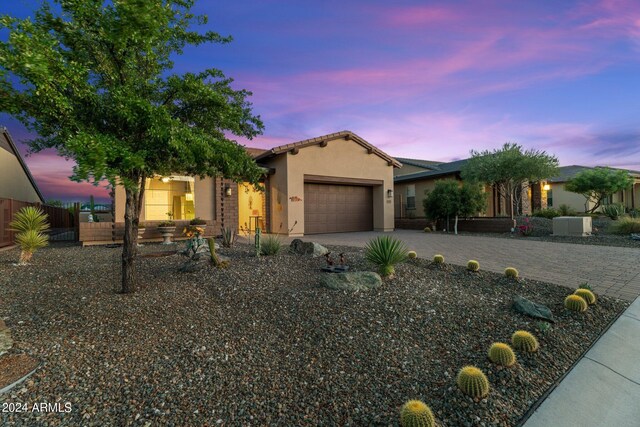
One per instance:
(17,183)
(558,195)
(332,183)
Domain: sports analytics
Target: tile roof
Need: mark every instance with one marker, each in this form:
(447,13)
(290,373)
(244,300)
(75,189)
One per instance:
(438,170)
(568,172)
(346,134)
(255,152)
(426,164)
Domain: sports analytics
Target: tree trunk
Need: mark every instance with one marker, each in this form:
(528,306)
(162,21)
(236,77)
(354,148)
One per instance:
(455,226)
(129,243)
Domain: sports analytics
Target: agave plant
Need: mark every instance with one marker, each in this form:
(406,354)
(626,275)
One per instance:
(386,252)
(30,223)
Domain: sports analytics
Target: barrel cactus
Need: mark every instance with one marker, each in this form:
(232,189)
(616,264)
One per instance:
(473,382)
(575,303)
(511,272)
(524,341)
(587,295)
(412,254)
(473,265)
(438,259)
(427,230)
(416,413)
(501,354)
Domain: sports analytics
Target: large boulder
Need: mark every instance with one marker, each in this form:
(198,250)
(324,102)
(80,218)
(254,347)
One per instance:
(532,309)
(314,249)
(353,281)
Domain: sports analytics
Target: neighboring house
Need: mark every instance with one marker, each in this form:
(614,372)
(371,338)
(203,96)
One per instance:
(16,182)
(410,166)
(558,195)
(333,183)
(411,188)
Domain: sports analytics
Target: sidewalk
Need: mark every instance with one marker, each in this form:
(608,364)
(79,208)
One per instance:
(603,389)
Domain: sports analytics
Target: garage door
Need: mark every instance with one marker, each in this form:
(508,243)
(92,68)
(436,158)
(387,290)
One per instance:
(330,208)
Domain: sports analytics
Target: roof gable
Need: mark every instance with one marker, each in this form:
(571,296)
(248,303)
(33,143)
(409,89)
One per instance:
(320,140)
(7,138)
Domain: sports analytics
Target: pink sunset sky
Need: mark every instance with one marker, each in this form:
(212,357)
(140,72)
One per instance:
(428,80)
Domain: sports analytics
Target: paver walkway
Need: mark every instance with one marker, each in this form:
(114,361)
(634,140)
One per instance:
(612,271)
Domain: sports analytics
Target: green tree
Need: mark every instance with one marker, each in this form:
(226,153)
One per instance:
(454,198)
(94,79)
(511,170)
(598,183)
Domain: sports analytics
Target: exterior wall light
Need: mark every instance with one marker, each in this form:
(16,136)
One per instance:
(227,190)
(546,187)
(166,179)
(389,194)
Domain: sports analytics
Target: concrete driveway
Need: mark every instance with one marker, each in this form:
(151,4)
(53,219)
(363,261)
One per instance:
(612,271)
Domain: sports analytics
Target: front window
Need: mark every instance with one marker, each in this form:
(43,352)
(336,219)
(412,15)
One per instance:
(411,196)
(549,198)
(171,197)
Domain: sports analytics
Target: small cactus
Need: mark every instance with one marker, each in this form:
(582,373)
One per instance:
(412,254)
(427,230)
(473,265)
(473,382)
(575,303)
(438,259)
(501,354)
(416,413)
(524,341)
(587,295)
(511,272)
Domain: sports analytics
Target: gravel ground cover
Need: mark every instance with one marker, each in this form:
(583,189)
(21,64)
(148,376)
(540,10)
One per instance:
(542,229)
(261,343)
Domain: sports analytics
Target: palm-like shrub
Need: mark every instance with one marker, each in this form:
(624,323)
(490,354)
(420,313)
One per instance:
(587,295)
(575,303)
(473,265)
(438,259)
(416,413)
(30,223)
(270,245)
(524,341)
(386,252)
(501,354)
(473,382)
(511,272)
(614,210)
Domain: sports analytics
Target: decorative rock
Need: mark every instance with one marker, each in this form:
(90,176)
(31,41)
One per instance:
(354,281)
(5,341)
(308,248)
(532,309)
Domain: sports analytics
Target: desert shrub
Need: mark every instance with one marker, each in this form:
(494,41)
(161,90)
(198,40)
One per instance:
(438,259)
(167,224)
(543,327)
(613,211)
(412,254)
(473,382)
(511,272)
(501,354)
(587,295)
(566,210)
(575,303)
(524,341)
(634,213)
(625,225)
(198,221)
(416,413)
(30,223)
(585,285)
(270,245)
(473,265)
(385,252)
(548,213)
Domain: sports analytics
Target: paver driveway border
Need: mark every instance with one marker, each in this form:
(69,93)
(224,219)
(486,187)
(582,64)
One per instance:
(613,271)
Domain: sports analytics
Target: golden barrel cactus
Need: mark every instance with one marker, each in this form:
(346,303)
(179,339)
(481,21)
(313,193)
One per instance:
(416,413)
(587,295)
(524,341)
(501,354)
(575,303)
(473,382)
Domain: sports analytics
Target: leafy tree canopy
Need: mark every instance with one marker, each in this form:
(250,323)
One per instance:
(510,168)
(94,79)
(597,183)
(454,198)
